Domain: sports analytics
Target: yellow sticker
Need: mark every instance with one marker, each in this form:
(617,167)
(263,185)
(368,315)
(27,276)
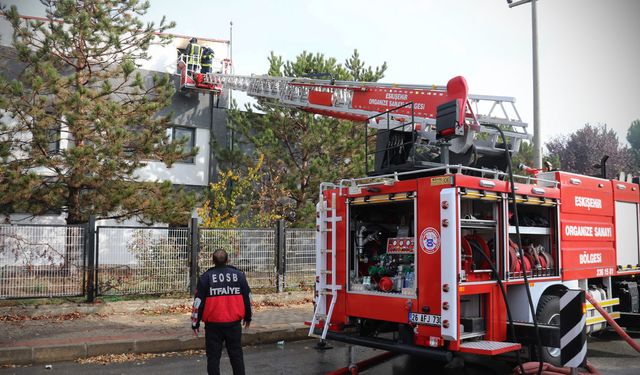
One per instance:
(437,181)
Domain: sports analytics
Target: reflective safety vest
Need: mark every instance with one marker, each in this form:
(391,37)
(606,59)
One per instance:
(193,53)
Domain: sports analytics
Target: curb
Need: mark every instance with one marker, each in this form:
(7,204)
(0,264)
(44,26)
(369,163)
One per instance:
(70,352)
(134,306)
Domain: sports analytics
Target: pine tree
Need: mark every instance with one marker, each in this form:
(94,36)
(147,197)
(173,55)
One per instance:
(524,155)
(78,86)
(300,150)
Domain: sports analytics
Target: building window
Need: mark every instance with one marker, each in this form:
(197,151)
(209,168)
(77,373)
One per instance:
(53,141)
(181,133)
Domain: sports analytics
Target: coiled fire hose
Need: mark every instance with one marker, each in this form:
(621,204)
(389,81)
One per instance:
(547,369)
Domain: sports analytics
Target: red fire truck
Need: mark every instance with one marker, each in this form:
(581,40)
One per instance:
(435,251)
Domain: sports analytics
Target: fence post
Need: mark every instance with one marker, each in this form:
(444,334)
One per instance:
(90,255)
(193,252)
(281,251)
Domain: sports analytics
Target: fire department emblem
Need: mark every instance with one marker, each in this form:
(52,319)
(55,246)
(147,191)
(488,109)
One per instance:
(429,240)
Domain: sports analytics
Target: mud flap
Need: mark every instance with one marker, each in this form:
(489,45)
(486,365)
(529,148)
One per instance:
(573,332)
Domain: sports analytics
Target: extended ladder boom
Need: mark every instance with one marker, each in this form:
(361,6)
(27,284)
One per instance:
(361,101)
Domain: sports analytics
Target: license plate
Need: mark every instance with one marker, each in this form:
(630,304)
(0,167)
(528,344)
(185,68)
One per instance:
(430,320)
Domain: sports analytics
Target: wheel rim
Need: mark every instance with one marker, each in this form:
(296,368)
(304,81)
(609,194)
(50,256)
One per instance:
(553,321)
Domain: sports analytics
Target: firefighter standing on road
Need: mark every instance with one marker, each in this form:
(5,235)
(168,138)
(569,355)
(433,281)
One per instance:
(193,52)
(222,302)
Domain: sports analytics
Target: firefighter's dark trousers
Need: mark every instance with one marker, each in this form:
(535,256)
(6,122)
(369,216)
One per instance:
(231,335)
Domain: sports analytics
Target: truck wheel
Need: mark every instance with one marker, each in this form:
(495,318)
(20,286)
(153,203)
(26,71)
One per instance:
(548,312)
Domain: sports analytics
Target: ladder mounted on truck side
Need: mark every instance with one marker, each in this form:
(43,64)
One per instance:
(326,223)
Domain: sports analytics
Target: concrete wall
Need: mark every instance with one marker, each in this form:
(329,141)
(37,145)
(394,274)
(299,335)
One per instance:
(182,173)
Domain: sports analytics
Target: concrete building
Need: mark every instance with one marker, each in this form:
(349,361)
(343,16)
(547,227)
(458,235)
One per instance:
(198,117)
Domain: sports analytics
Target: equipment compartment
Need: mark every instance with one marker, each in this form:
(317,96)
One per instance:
(472,316)
(382,245)
(538,232)
(479,234)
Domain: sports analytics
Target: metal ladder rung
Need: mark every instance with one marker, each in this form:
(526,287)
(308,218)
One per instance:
(326,251)
(331,288)
(326,272)
(326,292)
(330,219)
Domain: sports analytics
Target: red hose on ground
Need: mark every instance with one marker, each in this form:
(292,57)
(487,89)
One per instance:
(531,368)
(364,364)
(547,369)
(613,323)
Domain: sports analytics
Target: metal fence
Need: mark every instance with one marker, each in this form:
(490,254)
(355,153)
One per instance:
(41,261)
(61,260)
(142,260)
(300,258)
(251,250)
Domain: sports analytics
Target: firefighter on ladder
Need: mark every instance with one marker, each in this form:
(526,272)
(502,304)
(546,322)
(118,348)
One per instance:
(206,62)
(193,53)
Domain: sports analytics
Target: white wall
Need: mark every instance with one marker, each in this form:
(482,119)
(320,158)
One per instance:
(60,219)
(182,173)
(53,219)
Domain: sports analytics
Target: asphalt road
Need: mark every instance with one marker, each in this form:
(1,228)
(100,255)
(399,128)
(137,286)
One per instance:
(608,354)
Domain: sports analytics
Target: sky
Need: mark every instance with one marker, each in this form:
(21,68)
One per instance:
(589,50)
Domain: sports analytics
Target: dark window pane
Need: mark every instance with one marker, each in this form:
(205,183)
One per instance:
(53,141)
(188,134)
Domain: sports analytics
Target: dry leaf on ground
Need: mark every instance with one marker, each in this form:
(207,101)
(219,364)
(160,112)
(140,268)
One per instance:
(63,317)
(131,357)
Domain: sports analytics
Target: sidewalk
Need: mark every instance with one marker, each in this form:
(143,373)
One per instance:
(47,333)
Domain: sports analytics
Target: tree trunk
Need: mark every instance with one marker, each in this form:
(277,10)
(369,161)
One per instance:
(74,207)
(72,257)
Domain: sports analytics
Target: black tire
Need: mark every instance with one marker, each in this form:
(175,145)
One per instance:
(548,312)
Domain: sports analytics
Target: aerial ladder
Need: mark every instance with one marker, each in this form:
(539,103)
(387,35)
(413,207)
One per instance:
(406,108)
